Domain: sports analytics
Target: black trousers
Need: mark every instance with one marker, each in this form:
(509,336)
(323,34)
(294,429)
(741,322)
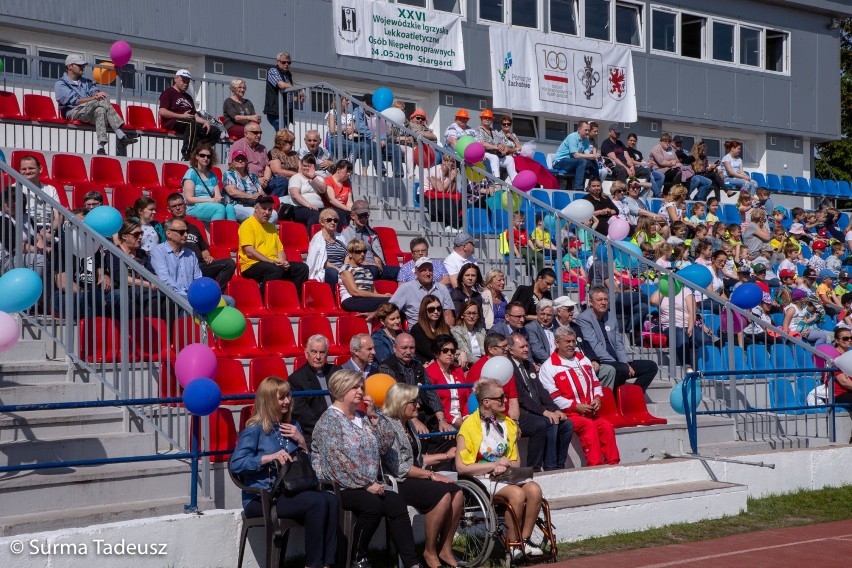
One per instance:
(221,270)
(318,512)
(194,134)
(548,443)
(369,511)
(645,373)
(264,272)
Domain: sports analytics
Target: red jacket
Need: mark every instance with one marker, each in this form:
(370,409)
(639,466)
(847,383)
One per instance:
(437,377)
(570,381)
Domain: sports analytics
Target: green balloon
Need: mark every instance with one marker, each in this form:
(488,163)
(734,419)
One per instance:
(463,143)
(2,60)
(227,322)
(516,201)
(664,286)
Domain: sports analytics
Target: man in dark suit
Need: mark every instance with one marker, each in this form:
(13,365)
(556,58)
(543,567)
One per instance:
(514,322)
(548,429)
(529,295)
(603,343)
(540,332)
(362,355)
(313,375)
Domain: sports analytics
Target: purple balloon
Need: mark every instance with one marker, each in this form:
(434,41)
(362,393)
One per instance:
(120,53)
(739,321)
(525,180)
(474,153)
(195,361)
(829,350)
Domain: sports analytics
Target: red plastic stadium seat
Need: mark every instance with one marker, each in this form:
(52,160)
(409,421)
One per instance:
(118,111)
(282,299)
(40,108)
(276,336)
(312,325)
(78,190)
(390,244)
(223,433)
(142,118)
(107,171)
(173,174)
(198,224)
(385,286)
(348,327)
(317,298)
(262,367)
(245,414)
(69,169)
(315,228)
(231,378)
(294,235)
(341,359)
(609,410)
(124,198)
(225,233)
(246,294)
(218,252)
(150,340)
(9,108)
(143,174)
(298,362)
(631,404)
(243,347)
(99,340)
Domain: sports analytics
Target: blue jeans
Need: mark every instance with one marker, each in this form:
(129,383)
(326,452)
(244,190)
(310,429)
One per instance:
(388,272)
(578,167)
(741,184)
(212,211)
(702,184)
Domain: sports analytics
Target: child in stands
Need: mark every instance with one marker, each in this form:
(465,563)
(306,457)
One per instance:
(843,284)
(679,230)
(717,235)
(712,207)
(699,235)
(646,232)
(835,260)
(816,261)
(541,238)
(681,257)
(573,268)
(744,206)
(697,212)
(663,253)
(735,237)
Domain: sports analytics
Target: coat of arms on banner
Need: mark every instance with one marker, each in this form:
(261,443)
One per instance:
(616,82)
(348,29)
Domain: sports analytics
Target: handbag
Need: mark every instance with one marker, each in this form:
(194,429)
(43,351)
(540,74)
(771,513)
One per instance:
(514,475)
(294,477)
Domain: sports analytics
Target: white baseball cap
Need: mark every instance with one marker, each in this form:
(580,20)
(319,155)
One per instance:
(184,73)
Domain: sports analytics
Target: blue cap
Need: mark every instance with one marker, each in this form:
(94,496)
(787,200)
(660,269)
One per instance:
(784,211)
(826,273)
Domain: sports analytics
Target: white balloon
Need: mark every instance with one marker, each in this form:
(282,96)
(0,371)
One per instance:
(395,114)
(844,363)
(579,210)
(499,368)
(83,245)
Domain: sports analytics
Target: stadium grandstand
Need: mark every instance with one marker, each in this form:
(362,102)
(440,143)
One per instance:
(610,206)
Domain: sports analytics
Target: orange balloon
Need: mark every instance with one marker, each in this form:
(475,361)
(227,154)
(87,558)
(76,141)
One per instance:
(104,76)
(377,387)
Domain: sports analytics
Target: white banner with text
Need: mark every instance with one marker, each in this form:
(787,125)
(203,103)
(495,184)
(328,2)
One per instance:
(555,74)
(398,32)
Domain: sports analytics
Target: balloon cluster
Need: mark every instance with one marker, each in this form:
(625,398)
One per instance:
(20,289)
(194,366)
(205,297)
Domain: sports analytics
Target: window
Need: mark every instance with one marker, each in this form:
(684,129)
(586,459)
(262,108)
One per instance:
(453,6)
(723,42)
(418,3)
(524,126)
(628,24)
(714,149)
(597,19)
(525,13)
(127,73)
(663,28)
(563,16)
(555,130)
(14,65)
(692,36)
(159,82)
(688,142)
(749,46)
(776,51)
(491,10)
(50,69)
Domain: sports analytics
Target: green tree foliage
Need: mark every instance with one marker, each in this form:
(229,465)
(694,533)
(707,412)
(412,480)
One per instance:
(835,158)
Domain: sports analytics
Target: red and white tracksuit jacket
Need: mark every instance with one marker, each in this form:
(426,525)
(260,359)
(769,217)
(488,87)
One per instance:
(573,381)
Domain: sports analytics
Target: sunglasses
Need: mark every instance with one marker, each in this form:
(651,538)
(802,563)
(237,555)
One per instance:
(363,215)
(844,338)
(447,350)
(203,155)
(331,220)
(506,124)
(419,118)
(255,131)
(415,402)
(179,231)
(433,309)
(501,399)
(135,234)
(288,62)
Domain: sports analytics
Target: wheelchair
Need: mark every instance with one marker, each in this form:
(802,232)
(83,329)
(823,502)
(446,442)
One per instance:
(483,523)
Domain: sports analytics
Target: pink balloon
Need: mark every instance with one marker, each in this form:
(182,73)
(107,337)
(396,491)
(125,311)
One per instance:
(193,362)
(525,180)
(829,350)
(618,228)
(739,321)
(120,53)
(10,333)
(474,153)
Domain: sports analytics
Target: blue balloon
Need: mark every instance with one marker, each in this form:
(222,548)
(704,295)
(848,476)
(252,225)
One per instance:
(2,156)
(202,397)
(677,394)
(550,223)
(472,403)
(204,294)
(20,289)
(104,220)
(382,98)
(747,296)
(625,259)
(601,253)
(698,275)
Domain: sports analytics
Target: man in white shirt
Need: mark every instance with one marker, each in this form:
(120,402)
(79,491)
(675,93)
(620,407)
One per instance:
(463,247)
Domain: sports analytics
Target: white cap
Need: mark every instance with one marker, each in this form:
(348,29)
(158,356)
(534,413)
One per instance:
(184,73)
(421,261)
(75,59)
(563,302)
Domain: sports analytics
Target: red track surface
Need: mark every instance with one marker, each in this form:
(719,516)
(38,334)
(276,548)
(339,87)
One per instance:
(823,546)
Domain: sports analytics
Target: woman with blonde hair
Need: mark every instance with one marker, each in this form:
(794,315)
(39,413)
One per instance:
(238,110)
(427,491)
(493,300)
(284,164)
(271,435)
(357,291)
(673,202)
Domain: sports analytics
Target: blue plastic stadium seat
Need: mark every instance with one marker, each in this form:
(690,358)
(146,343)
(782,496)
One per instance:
(478,222)
(777,319)
(500,220)
(817,187)
(803,186)
(788,184)
(740,362)
(712,321)
(830,188)
(781,395)
(782,357)
(773,182)
(560,199)
(541,195)
(416,194)
(758,178)
(800,269)
(805,385)
(709,359)
(758,359)
(655,204)
(731,213)
(540,158)
(806,252)
(845,190)
(843,222)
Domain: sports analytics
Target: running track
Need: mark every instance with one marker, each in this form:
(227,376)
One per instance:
(826,546)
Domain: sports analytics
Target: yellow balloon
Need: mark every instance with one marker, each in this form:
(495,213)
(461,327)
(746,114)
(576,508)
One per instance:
(473,175)
(104,75)
(377,386)
(516,201)
(221,303)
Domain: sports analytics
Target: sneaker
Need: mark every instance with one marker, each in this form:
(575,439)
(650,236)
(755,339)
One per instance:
(517,553)
(128,140)
(101,151)
(532,550)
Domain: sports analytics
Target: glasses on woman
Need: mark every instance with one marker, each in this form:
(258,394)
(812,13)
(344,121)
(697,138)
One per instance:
(135,234)
(433,309)
(471,314)
(415,402)
(359,251)
(420,118)
(844,338)
(448,350)
(334,220)
(501,399)
(505,124)
(204,156)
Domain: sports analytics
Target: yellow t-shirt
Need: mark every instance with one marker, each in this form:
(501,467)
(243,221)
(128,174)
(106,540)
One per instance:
(710,219)
(263,237)
(539,234)
(824,289)
(471,431)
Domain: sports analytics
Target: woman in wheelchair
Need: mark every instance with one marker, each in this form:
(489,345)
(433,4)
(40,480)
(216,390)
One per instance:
(347,450)
(487,445)
(427,491)
(271,435)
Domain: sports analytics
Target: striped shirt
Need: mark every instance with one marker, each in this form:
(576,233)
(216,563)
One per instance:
(363,280)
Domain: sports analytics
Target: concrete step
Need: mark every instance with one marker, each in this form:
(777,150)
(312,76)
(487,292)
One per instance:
(25,350)
(58,490)
(44,424)
(49,392)
(83,447)
(96,515)
(32,372)
(596,514)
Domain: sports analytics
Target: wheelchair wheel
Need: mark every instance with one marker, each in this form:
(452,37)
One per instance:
(543,536)
(475,535)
